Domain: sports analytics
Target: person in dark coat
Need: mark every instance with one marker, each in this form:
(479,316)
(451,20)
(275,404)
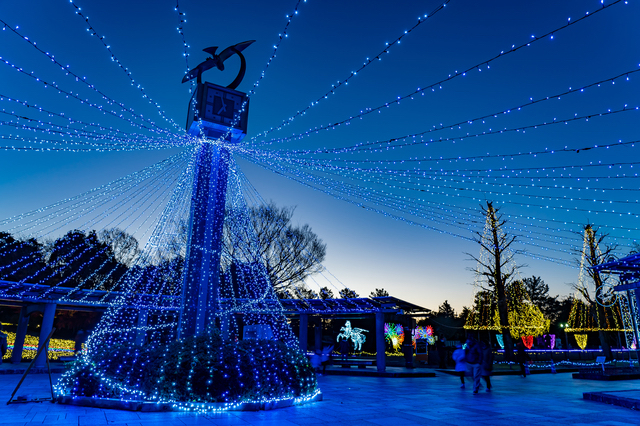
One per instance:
(442,353)
(522,357)
(344,347)
(473,357)
(461,365)
(486,367)
(81,337)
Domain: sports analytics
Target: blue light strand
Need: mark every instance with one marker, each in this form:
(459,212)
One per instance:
(93,32)
(346,80)
(361,147)
(86,102)
(439,83)
(276,46)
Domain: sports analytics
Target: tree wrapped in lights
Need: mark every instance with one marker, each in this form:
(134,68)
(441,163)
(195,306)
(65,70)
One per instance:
(501,304)
(587,315)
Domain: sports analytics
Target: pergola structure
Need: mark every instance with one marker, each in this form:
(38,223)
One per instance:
(32,298)
(628,271)
(375,306)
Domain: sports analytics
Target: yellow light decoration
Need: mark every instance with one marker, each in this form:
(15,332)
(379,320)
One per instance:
(525,319)
(57,347)
(581,339)
(582,319)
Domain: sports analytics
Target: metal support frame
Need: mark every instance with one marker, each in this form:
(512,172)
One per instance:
(381,361)
(48,314)
(21,333)
(302,332)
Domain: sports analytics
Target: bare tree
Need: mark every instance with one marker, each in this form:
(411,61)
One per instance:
(290,253)
(124,246)
(497,268)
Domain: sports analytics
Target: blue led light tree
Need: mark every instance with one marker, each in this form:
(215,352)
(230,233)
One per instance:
(198,323)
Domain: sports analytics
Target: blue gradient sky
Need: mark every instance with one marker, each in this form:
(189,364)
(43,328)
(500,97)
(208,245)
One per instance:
(327,40)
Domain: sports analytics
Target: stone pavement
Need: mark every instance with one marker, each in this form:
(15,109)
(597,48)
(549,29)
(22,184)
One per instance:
(539,399)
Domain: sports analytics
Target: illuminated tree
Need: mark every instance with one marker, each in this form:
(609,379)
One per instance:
(538,293)
(81,260)
(495,268)
(587,315)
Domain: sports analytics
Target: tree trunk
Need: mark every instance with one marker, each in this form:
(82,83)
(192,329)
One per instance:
(506,334)
(604,342)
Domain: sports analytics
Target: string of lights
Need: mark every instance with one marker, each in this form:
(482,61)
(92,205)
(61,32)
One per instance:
(369,146)
(438,84)
(151,127)
(345,81)
(92,32)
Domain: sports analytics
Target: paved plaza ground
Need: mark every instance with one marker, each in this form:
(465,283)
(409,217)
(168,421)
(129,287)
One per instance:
(540,399)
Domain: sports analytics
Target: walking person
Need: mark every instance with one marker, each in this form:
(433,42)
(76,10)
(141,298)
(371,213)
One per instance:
(461,365)
(473,357)
(487,363)
(344,348)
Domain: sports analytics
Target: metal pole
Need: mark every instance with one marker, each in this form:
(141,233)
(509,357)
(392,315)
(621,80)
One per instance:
(202,263)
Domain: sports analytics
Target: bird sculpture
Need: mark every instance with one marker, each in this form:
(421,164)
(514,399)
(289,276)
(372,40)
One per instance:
(217,60)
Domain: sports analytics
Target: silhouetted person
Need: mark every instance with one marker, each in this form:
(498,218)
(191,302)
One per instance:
(473,357)
(81,337)
(442,354)
(344,347)
(522,357)
(461,365)
(486,367)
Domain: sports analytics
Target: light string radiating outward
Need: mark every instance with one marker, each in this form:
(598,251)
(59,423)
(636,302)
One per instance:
(180,29)
(366,194)
(92,32)
(317,290)
(375,173)
(67,70)
(174,140)
(151,127)
(240,111)
(283,35)
(422,90)
(134,208)
(345,81)
(385,145)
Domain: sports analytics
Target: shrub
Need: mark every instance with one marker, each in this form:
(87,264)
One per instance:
(202,369)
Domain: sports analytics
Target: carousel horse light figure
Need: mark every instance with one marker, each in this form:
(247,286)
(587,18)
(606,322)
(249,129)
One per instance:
(355,334)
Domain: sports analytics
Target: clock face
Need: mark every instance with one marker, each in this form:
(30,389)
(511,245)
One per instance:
(222,106)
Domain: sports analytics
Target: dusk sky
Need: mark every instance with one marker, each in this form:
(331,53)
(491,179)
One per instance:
(478,101)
